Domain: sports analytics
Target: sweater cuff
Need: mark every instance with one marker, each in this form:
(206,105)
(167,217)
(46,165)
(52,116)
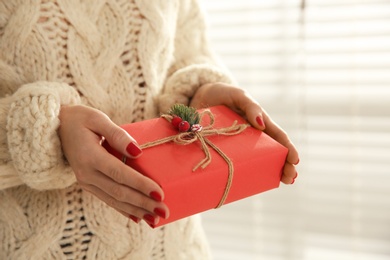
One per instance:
(33,141)
(183,84)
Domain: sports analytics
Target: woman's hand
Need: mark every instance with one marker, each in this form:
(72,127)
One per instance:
(240,101)
(97,171)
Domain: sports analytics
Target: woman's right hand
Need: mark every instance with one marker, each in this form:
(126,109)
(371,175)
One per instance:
(97,171)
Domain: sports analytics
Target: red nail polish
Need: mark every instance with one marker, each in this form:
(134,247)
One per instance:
(296,175)
(156,196)
(160,212)
(133,149)
(134,218)
(149,219)
(260,121)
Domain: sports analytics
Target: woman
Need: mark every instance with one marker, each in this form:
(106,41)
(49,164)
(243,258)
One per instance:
(71,71)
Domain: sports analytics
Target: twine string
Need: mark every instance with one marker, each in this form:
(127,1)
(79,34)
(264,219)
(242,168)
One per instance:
(230,173)
(190,137)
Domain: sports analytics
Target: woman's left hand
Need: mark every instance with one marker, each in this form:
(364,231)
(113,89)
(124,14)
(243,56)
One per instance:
(240,101)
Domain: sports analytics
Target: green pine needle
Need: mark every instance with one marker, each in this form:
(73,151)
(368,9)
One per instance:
(186,113)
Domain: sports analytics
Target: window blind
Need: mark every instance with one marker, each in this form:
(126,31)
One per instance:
(321,68)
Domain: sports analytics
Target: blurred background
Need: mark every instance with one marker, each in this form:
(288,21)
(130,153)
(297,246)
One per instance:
(321,68)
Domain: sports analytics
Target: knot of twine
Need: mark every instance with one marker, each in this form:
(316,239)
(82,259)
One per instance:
(186,138)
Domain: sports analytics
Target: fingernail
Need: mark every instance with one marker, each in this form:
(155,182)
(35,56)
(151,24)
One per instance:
(260,121)
(296,175)
(149,219)
(160,212)
(297,162)
(156,196)
(133,149)
(134,218)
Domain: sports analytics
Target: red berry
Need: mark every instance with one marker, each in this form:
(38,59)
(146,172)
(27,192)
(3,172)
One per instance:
(184,126)
(176,121)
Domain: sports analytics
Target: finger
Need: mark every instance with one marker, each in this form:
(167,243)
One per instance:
(130,216)
(286,180)
(260,120)
(296,176)
(116,136)
(289,174)
(292,156)
(242,101)
(124,194)
(278,134)
(124,208)
(116,170)
(254,114)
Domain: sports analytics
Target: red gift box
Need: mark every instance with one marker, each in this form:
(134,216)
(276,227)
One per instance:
(257,159)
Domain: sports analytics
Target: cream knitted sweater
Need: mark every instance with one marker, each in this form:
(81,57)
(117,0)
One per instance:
(128,58)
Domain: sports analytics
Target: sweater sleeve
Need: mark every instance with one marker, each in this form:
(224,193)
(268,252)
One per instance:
(30,148)
(194,62)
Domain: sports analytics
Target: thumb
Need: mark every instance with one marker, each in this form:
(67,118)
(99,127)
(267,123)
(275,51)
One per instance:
(253,112)
(118,138)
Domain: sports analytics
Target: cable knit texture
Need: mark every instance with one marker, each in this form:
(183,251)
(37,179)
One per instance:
(127,58)
(32,138)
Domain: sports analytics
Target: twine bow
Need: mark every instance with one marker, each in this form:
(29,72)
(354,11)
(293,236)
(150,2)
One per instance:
(186,138)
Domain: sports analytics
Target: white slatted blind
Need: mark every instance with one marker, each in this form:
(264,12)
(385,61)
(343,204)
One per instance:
(323,73)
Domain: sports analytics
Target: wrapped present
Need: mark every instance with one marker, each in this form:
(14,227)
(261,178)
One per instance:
(203,165)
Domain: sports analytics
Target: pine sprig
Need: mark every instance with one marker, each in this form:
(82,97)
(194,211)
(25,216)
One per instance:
(186,113)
